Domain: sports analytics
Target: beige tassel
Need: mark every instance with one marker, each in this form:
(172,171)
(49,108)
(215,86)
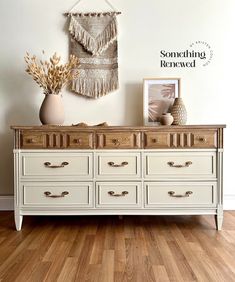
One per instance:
(95,88)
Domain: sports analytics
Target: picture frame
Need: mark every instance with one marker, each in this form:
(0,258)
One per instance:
(158,97)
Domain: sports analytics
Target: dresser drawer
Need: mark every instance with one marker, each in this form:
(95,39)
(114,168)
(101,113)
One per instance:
(53,140)
(184,194)
(35,165)
(190,139)
(119,140)
(195,165)
(82,140)
(118,165)
(118,194)
(57,194)
(32,140)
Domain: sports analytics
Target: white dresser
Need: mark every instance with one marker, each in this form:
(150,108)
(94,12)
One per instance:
(164,170)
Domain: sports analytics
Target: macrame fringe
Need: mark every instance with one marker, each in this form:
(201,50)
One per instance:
(94,88)
(94,45)
(107,37)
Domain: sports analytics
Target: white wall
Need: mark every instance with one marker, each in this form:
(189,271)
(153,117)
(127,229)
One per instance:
(146,27)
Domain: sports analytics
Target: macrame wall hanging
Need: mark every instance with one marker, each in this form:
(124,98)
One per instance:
(93,39)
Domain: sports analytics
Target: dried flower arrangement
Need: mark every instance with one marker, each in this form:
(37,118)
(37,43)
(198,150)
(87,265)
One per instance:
(50,75)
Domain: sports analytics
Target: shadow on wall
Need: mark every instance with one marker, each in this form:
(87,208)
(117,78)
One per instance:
(134,104)
(17,96)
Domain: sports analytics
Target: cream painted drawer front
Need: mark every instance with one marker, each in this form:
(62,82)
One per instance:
(36,165)
(118,194)
(57,194)
(195,165)
(180,194)
(118,165)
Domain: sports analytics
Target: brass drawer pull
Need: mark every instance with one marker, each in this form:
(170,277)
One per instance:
(116,142)
(31,141)
(78,141)
(201,139)
(112,164)
(112,193)
(187,194)
(48,164)
(187,164)
(48,194)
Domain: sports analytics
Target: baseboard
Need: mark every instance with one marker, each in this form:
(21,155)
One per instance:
(7,202)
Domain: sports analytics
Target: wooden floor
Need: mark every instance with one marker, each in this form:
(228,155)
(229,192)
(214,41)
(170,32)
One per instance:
(105,248)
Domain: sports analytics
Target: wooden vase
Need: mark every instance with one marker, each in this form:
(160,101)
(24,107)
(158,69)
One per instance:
(52,110)
(179,112)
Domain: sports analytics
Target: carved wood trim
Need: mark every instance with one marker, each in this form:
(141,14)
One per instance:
(220,138)
(56,140)
(181,139)
(118,137)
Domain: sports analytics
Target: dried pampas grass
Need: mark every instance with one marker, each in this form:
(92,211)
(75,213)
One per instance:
(50,75)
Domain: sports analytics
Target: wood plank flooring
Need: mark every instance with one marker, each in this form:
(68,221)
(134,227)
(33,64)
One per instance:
(107,249)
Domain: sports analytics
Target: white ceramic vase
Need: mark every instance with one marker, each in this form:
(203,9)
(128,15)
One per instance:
(52,110)
(167,119)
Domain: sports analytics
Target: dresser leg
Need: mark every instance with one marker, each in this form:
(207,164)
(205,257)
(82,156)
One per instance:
(18,220)
(219,217)
(219,222)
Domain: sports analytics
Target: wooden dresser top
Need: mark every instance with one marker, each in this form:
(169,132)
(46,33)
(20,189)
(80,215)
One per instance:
(149,128)
(119,137)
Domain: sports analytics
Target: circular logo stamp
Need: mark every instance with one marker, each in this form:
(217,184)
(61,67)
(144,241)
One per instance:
(205,51)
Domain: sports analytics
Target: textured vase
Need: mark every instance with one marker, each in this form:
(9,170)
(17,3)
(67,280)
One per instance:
(52,110)
(167,119)
(179,112)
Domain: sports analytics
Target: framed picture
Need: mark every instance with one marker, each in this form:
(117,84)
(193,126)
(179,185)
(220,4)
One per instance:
(159,95)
